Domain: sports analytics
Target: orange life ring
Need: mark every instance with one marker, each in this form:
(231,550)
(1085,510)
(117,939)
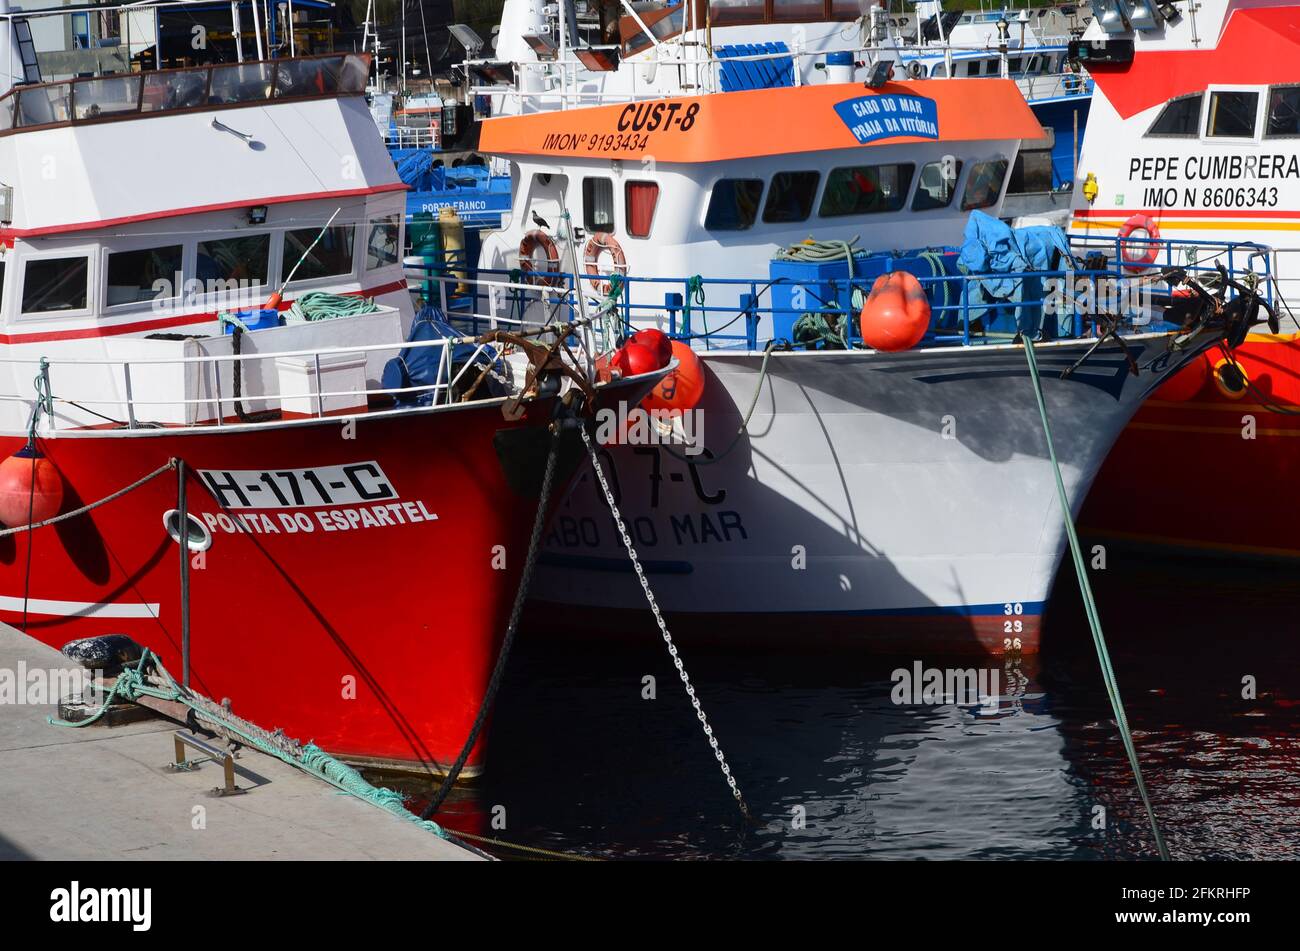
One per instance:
(1140,262)
(597,243)
(528,264)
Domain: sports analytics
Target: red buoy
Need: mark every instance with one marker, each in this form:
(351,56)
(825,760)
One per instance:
(657,342)
(31,489)
(682,388)
(896,314)
(1186,382)
(632,359)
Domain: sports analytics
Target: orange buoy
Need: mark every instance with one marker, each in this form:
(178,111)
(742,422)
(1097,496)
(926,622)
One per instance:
(632,359)
(658,343)
(896,314)
(1186,382)
(683,386)
(31,489)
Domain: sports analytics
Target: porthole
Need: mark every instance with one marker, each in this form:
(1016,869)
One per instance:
(198,537)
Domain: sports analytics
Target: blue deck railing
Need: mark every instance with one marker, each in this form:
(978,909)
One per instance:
(961,314)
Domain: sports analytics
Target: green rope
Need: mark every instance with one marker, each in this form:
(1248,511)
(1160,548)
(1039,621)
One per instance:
(319,305)
(1090,606)
(131,685)
(695,296)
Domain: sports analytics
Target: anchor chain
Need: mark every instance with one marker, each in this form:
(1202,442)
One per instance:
(663,627)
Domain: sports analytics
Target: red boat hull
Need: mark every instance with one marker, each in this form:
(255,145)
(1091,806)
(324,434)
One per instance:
(1198,467)
(372,633)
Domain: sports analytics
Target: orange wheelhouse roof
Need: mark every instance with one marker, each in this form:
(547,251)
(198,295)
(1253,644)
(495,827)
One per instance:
(782,121)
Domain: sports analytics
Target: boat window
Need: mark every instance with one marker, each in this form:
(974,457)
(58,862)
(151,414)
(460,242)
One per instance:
(41,105)
(796,10)
(639,200)
(845,10)
(984,184)
(250,82)
(937,185)
(733,206)
(183,89)
(7,113)
(598,204)
(1232,114)
(147,274)
(330,256)
(1178,117)
(234,259)
(1283,112)
(53,284)
(939,70)
(308,77)
(791,196)
(382,247)
(736,11)
(1031,173)
(108,96)
(866,189)
(1013,64)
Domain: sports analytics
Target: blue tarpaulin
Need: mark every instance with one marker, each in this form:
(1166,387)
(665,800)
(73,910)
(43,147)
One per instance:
(994,247)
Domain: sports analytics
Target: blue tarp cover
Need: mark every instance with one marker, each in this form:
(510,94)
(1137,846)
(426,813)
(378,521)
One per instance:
(994,247)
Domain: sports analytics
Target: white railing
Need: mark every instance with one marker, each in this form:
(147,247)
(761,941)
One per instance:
(127,403)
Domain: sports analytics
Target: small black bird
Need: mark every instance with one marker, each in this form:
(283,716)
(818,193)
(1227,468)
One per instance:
(539,220)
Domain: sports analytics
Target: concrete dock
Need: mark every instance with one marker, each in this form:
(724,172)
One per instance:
(105,793)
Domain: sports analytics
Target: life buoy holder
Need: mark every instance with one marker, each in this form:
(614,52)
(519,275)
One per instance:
(598,243)
(1137,263)
(1231,379)
(528,264)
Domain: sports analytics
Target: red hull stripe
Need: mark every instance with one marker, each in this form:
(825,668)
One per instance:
(1257,48)
(7,235)
(163,323)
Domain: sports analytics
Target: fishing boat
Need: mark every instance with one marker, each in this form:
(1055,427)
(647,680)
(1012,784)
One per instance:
(850,486)
(226,433)
(1196,121)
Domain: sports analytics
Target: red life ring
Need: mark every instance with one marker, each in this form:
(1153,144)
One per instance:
(528,264)
(597,243)
(1138,263)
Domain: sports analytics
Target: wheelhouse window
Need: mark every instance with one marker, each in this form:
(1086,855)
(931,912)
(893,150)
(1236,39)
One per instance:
(182,89)
(331,256)
(1178,118)
(107,96)
(234,259)
(1232,114)
(984,184)
(639,201)
(383,246)
(249,82)
(936,185)
(147,274)
(733,206)
(797,10)
(791,196)
(55,284)
(736,11)
(598,204)
(308,77)
(1283,113)
(866,189)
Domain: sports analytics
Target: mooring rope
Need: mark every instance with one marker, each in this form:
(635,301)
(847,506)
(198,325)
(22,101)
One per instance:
(82,510)
(663,627)
(1090,606)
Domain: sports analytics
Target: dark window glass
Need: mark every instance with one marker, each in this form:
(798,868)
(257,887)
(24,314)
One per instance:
(55,284)
(382,247)
(733,206)
(866,189)
(797,10)
(234,259)
(791,196)
(598,204)
(246,82)
(937,185)
(1283,112)
(135,276)
(331,256)
(1031,173)
(984,184)
(1232,114)
(308,77)
(179,90)
(1179,117)
(736,11)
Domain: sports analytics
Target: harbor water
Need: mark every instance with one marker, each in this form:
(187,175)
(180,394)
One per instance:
(832,767)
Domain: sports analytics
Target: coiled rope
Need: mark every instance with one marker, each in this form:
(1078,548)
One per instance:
(319,305)
(1090,606)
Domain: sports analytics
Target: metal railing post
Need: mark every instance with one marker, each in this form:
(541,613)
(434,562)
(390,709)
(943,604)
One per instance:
(130,399)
